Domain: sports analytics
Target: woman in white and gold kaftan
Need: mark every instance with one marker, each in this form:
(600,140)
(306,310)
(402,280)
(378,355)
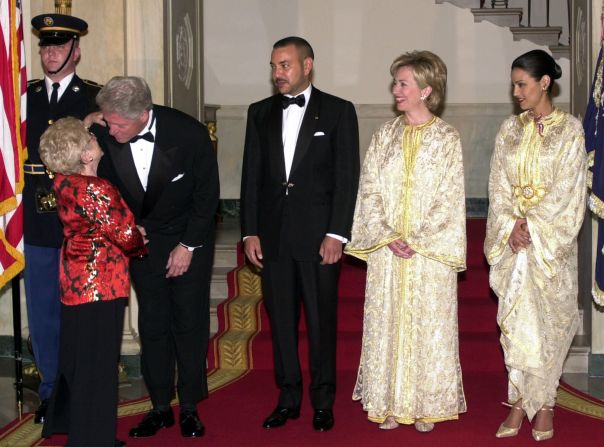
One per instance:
(536,206)
(409,225)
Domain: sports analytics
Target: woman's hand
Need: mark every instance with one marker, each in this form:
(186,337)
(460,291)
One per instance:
(94,118)
(143,232)
(401,249)
(520,236)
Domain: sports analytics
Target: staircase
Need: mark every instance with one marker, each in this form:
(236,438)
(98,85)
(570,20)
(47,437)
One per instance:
(225,260)
(512,18)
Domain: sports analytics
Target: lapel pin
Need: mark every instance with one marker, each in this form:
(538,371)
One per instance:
(38,89)
(76,88)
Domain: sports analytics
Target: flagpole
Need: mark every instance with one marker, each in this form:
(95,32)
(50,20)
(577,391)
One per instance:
(16,289)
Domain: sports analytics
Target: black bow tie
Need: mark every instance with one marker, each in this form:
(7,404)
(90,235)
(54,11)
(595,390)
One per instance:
(287,101)
(146,136)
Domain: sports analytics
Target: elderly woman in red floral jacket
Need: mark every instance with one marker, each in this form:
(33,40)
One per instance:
(100,235)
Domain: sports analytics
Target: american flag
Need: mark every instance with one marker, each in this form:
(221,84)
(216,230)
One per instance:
(13,88)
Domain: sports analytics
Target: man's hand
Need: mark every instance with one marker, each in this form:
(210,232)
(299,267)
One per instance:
(330,251)
(401,249)
(178,261)
(520,236)
(94,118)
(253,251)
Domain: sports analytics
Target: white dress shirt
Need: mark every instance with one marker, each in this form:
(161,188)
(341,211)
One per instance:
(63,83)
(142,151)
(292,120)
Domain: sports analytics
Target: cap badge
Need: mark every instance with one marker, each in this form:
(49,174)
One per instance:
(48,21)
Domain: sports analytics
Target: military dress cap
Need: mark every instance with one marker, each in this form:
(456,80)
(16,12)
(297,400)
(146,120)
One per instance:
(57,29)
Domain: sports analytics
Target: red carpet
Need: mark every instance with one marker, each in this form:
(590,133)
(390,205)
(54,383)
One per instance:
(235,410)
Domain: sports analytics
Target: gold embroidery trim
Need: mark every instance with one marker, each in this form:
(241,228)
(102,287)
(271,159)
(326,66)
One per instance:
(596,205)
(597,294)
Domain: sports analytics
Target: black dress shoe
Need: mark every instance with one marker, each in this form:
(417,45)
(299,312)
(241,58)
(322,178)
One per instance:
(152,422)
(119,443)
(190,425)
(40,415)
(279,417)
(323,420)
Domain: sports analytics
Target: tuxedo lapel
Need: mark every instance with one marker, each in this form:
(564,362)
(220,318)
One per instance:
(307,129)
(275,136)
(126,170)
(160,174)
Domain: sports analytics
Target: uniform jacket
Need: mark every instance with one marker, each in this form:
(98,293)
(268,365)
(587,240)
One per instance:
(78,100)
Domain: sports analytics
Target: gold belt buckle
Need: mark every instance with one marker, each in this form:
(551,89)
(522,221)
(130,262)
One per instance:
(46,202)
(526,191)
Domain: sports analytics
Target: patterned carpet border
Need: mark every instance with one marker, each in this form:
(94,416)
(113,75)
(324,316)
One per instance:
(574,400)
(231,347)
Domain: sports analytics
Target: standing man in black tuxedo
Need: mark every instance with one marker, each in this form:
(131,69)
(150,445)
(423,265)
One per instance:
(298,192)
(164,165)
(61,93)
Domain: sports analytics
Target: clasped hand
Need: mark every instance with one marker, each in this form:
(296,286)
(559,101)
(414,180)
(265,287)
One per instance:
(401,249)
(520,236)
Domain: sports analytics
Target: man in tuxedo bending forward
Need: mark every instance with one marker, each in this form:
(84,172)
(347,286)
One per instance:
(298,192)
(164,165)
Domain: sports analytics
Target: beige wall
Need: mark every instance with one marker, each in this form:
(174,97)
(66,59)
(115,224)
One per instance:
(355,41)
(102,52)
(120,40)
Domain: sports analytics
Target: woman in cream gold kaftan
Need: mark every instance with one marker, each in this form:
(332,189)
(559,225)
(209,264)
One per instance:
(409,225)
(536,206)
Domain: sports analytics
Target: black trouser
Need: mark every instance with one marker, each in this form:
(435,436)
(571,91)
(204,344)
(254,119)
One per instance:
(84,399)
(174,325)
(286,283)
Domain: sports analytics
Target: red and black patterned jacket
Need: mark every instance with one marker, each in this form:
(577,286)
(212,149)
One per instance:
(100,235)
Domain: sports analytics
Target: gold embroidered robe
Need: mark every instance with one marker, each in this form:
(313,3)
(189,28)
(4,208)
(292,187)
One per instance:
(542,179)
(411,188)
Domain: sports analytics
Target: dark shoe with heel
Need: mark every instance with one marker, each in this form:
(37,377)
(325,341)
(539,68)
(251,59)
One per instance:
(323,420)
(152,422)
(40,414)
(279,417)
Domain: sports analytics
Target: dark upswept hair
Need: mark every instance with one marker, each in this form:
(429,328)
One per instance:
(301,45)
(428,70)
(538,63)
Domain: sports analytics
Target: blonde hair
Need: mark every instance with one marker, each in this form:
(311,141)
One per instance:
(428,70)
(62,144)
